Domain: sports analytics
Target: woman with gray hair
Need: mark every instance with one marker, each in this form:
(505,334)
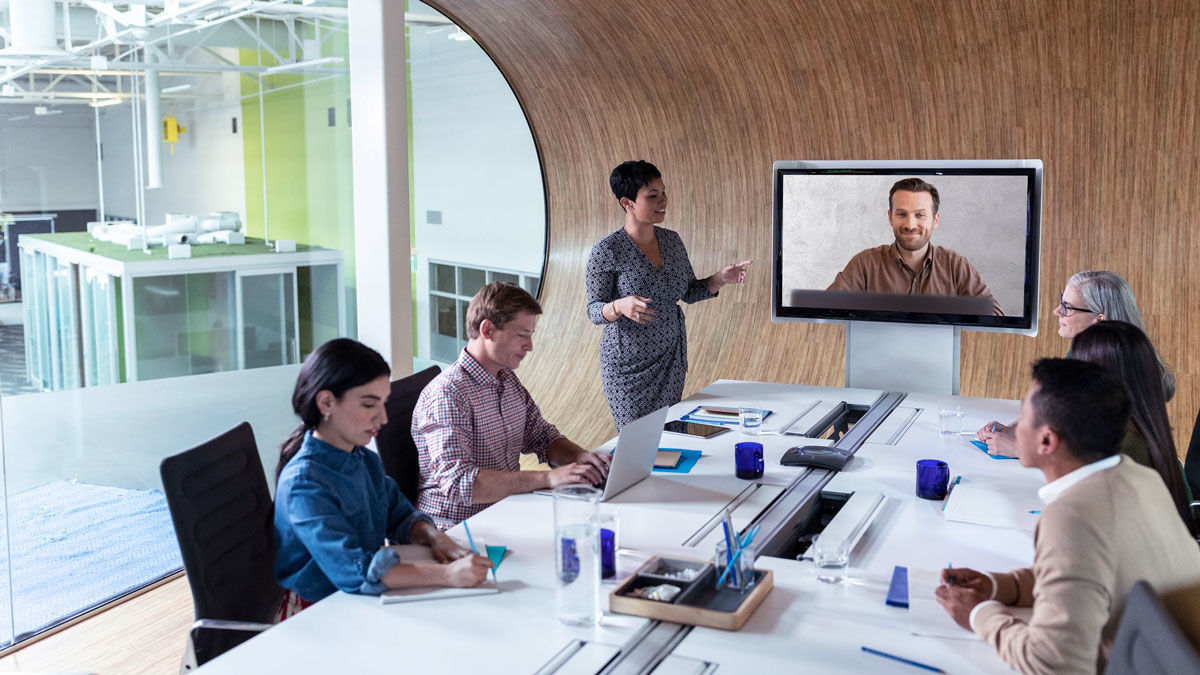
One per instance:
(1089,297)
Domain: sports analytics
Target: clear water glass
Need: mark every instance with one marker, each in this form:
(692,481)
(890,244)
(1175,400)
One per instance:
(751,420)
(950,420)
(577,554)
(831,559)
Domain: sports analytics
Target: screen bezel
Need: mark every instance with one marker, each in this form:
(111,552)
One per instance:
(1030,168)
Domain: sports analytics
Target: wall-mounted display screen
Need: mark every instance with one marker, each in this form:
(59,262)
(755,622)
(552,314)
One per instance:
(939,242)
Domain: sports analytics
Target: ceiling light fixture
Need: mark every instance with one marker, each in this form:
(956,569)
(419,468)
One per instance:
(103,102)
(178,87)
(459,35)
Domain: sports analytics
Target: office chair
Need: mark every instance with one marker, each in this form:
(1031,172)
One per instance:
(1191,464)
(1149,640)
(222,511)
(395,442)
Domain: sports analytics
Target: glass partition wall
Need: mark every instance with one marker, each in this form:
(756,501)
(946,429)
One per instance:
(478,204)
(155,290)
(227,130)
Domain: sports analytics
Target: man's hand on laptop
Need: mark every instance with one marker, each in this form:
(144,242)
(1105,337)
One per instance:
(590,468)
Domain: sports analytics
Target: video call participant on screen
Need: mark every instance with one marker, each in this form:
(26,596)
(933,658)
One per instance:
(1108,522)
(1089,297)
(473,421)
(335,507)
(911,265)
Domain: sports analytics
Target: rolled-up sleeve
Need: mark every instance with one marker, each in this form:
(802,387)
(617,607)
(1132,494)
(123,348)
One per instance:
(445,421)
(318,522)
(600,282)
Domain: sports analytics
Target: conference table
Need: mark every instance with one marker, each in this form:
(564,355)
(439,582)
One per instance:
(803,622)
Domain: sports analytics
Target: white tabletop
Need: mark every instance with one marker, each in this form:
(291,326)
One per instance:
(802,621)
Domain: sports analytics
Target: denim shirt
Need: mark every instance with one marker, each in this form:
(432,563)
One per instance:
(333,510)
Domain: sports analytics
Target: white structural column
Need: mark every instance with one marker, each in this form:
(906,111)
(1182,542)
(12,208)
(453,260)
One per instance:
(380,144)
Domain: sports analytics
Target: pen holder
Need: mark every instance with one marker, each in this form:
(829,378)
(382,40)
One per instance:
(741,577)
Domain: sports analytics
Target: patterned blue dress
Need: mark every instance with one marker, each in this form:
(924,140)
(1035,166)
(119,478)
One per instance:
(642,366)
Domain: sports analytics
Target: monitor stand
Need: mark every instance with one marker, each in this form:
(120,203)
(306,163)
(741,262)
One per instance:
(902,357)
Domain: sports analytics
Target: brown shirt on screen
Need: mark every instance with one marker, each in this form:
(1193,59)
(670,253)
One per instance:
(944,272)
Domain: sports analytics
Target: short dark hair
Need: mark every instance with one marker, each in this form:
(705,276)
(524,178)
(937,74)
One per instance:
(499,302)
(1084,403)
(915,185)
(629,177)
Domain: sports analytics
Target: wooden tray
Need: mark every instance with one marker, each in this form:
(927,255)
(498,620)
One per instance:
(699,603)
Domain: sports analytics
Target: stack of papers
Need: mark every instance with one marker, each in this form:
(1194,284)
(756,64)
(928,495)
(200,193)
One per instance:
(926,616)
(710,414)
(412,553)
(995,502)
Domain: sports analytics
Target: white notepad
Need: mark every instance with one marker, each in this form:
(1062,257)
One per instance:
(926,616)
(994,502)
(411,553)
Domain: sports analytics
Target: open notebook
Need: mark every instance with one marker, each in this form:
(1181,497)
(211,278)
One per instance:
(412,553)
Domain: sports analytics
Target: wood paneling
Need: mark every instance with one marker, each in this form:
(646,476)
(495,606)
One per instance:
(1105,93)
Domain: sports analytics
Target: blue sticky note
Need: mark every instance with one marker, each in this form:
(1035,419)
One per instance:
(983,446)
(496,554)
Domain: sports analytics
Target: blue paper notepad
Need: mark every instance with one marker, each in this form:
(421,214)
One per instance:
(687,460)
(897,595)
(983,446)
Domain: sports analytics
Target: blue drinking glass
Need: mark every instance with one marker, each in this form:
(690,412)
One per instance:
(933,476)
(748,459)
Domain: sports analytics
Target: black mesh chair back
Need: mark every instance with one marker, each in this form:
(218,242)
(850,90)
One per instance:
(222,511)
(1191,461)
(395,442)
(1149,639)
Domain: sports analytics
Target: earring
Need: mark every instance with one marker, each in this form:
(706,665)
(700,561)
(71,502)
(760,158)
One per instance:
(326,417)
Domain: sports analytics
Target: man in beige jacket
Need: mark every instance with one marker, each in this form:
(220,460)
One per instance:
(1107,523)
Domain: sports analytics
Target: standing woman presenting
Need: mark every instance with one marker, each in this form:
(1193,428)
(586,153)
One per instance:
(636,277)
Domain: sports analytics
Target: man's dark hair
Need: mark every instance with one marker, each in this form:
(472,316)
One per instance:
(1084,403)
(629,177)
(916,185)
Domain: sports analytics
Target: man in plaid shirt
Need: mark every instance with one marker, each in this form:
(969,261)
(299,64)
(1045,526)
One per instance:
(473,421)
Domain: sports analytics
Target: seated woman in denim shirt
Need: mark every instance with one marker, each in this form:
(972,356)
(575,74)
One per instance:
(335,507)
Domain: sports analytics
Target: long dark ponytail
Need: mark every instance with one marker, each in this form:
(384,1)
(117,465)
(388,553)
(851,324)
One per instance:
(1126,351)
(338,366)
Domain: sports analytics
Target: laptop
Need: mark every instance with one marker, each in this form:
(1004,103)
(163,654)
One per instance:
(633,460)
(637,444)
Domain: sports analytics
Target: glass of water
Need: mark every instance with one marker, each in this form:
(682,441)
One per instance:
(831,558)
(577,554)
(950,420)
(751,419)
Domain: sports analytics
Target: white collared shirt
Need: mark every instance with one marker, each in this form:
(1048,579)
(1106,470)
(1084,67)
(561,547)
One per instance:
(1048,493)
(1053,490)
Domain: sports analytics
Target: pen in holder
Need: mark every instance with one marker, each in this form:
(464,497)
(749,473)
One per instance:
(734,571)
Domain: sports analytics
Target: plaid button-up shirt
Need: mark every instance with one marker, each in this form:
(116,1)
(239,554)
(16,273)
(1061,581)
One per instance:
(466,420)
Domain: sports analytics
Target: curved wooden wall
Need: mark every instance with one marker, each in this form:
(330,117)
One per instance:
(1106,93)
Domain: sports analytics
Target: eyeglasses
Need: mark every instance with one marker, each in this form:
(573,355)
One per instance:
(1069,309)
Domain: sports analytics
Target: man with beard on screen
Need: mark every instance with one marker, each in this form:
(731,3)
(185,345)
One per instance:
(911,265)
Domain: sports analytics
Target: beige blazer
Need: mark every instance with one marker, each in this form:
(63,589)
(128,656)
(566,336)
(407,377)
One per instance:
(1091,545)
